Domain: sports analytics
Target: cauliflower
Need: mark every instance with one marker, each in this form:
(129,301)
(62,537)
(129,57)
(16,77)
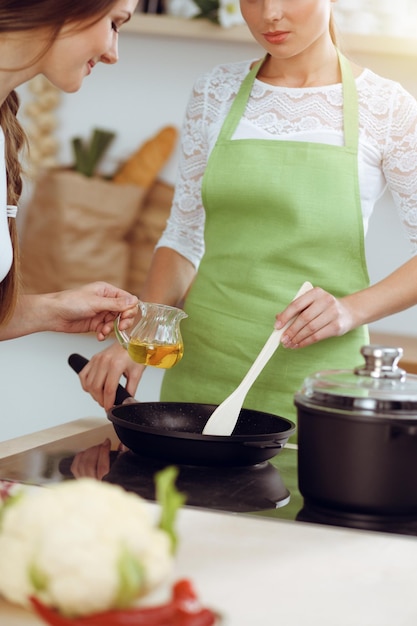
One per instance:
(81,547)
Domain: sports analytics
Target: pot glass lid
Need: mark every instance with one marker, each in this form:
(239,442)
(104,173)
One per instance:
(379,385)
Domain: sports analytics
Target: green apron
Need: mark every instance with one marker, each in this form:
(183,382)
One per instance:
(278,213)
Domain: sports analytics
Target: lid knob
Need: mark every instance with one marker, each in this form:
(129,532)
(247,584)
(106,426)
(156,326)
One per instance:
(381,362)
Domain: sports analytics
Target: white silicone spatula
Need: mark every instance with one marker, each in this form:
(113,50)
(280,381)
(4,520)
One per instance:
(223,419)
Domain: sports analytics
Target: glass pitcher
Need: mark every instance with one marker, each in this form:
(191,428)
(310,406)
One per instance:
(156,339)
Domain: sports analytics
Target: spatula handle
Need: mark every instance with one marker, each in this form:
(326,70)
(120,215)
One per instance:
(224,418)
(270,346)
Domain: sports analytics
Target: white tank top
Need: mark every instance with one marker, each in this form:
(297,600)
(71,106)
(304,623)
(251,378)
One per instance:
(6,250)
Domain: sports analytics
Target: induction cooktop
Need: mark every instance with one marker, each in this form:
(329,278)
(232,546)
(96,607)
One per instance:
(269,489)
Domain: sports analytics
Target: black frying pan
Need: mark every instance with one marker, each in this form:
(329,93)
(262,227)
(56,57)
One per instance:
(172,431)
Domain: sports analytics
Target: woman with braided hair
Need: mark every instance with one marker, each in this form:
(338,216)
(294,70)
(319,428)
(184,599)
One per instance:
(62,41)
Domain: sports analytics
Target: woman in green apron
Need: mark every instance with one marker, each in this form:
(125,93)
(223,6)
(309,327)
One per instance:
(282,162)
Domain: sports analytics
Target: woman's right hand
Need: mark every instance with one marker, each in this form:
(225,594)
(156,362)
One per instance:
(102,373)
(93,462)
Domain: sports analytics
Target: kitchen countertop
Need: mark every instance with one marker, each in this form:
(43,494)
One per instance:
(261,571)
(407,343)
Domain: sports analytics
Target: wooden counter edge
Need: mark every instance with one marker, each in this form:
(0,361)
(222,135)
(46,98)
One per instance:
(50,435)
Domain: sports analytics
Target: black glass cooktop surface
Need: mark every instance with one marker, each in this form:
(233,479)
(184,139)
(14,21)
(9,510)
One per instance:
(268,489)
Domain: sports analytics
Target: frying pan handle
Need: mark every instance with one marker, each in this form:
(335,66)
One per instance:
(65,463)
(263,445)
(78,362)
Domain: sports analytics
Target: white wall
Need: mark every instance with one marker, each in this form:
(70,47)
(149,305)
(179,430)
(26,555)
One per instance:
(40,390)
(148,88)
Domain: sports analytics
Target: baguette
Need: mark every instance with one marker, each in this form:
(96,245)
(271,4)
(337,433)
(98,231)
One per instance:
(143,167)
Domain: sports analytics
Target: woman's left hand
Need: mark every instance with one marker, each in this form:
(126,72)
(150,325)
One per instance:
(316,315)
(93,308)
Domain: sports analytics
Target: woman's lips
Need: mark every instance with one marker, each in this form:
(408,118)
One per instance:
(277,37)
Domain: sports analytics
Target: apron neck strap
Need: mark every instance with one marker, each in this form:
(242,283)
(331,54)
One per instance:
(239,103)
(350,103)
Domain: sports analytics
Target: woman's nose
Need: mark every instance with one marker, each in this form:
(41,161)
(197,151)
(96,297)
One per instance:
(111,56)
(273,10)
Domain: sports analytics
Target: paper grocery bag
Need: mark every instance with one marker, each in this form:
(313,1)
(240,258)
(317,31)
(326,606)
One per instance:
(144,235)
(75,231)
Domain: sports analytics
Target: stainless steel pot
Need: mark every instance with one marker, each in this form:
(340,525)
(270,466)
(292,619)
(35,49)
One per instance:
(357,437)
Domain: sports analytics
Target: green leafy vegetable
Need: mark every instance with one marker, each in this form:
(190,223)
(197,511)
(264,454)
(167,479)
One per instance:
(131,578)
(38,578)
(87,156)
(10,501)
(208,10)
(170,500)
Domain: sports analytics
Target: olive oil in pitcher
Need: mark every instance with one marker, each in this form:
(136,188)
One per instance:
(156,339)
(157,355)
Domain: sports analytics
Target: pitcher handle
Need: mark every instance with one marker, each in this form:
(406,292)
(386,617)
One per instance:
(121,336)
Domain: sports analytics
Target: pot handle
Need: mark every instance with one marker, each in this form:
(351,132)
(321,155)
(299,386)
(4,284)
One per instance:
(77,362)
(263,445)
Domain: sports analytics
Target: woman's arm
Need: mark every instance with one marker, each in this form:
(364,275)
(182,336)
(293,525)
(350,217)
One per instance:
(169,278)
(321,315)
(91,308)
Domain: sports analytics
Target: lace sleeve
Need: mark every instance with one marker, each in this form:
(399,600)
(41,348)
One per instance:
(400,162)
(185,227)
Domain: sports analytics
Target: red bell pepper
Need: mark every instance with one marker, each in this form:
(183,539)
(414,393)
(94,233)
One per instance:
(184,609)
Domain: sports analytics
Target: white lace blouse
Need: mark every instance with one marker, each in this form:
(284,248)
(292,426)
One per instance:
(387,144)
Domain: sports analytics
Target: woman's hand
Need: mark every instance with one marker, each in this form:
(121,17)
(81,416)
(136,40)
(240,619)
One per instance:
(101,375)
(317,315)
(94,462)
(93,308)
(322,315)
